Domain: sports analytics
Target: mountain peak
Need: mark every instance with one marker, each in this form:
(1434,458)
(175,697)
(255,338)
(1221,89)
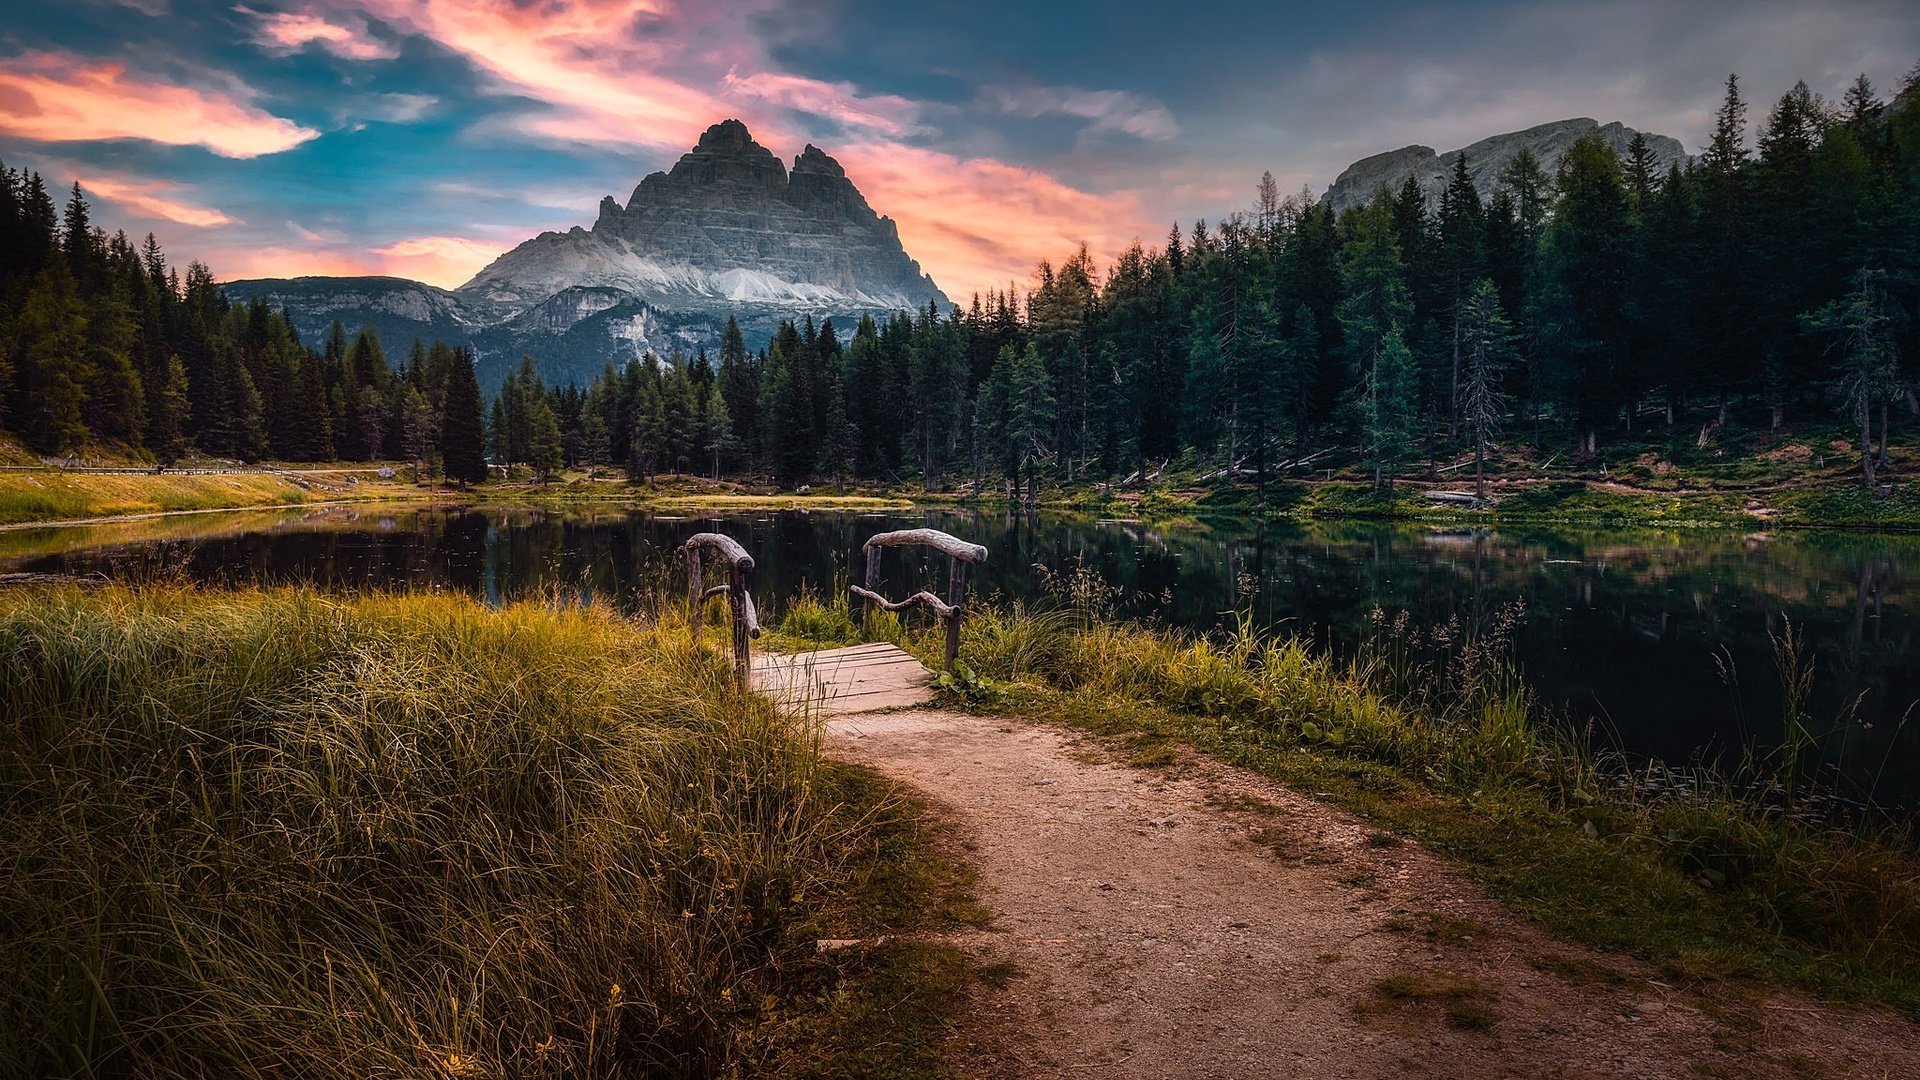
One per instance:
(727,227)
(727,136)
(815,160)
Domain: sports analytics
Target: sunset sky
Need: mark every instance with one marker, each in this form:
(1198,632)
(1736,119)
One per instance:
(423,137)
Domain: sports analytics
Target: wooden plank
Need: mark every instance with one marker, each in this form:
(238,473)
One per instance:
(852,679)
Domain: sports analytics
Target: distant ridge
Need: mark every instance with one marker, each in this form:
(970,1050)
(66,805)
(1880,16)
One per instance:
(1355,186)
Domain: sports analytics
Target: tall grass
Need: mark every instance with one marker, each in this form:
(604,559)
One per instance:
(278,833)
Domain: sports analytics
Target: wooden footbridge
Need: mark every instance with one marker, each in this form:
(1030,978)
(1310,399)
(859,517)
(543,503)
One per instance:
(834,682)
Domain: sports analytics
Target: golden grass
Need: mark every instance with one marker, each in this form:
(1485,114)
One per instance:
(30,496)
(281,833)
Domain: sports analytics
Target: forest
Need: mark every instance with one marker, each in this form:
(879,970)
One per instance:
(1755,287)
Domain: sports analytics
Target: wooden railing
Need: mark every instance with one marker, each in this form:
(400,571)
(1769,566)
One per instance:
(746,621)
(953,609)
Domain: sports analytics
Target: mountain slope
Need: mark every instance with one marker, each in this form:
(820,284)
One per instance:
(727,226)
(1355,186)
(728,231)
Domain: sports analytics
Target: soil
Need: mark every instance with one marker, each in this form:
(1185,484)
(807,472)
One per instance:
(1194,920)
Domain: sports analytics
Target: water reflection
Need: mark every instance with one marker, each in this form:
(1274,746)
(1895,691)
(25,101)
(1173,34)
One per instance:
(1622,626)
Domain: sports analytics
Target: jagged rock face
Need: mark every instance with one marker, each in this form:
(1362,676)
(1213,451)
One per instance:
(729,231)
(727,225)
(1485,159)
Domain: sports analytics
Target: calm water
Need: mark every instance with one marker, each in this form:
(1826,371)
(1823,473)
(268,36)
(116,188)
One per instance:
(1620,627)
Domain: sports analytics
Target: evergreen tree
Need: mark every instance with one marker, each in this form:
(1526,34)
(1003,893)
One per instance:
(1030,416)
(462,452)
(1462,260)
(680,435)
(649,421)
(419,427)
(1587,257)
(171,415)
(50,361)
(717,436)
(1485,340)
(1391,400)
(543,440)
(1859,328)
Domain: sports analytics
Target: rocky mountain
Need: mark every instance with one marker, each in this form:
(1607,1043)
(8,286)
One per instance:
(730,230)
(1356,185)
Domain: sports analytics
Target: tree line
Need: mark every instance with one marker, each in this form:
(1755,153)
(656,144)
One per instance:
(102,342)
(1748,287)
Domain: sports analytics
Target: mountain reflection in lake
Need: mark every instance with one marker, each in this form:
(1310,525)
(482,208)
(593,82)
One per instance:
(1620,626)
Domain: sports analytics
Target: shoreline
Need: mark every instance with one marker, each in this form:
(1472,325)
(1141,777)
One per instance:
(1549,503)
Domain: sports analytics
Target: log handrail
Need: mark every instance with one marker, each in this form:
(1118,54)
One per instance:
(729,548)
(921,597)
(933,538)
(746,620)
(953,609)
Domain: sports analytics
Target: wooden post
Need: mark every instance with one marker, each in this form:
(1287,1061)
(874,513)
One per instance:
(956,599)
(746,622)
(873,574)
(742,608)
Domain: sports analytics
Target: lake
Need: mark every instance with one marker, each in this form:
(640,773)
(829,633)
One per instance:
(1621,627)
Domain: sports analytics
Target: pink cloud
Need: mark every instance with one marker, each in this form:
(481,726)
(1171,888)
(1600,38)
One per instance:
(582,56)
(974,222)
(346,36)
(887,114)
(234,264)
(446,261)
(150,199)
(57,97)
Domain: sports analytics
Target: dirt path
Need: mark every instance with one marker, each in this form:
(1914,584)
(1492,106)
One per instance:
(1201,922)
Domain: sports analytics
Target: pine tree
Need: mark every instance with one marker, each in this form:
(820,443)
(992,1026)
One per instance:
(594,441)
(649,422)
(1485,340)
(1462,261)
(1587,265)
(680,436)
(543,440)
(1030,416)
(717,436)
(1859,328)
(1392,389)
(836,440)
(171,415)
(419,427)
(462,450)
(1376,308)
(50,363)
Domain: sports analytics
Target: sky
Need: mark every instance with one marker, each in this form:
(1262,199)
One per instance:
(424,137)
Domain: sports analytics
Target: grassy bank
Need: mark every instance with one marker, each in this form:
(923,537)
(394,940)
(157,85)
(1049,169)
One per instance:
(1435,737)
(277,833)
(51,495)
(683,493)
